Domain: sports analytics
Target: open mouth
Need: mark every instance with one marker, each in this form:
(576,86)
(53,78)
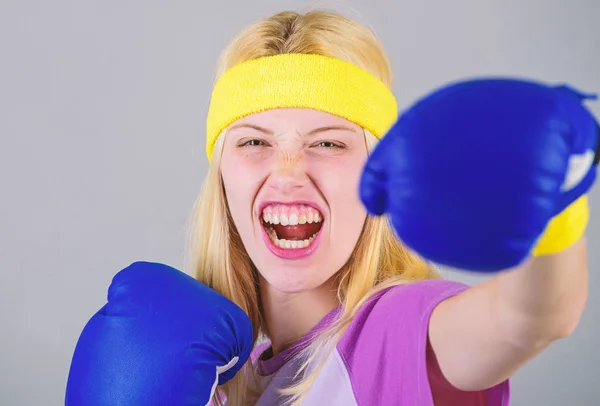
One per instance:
(291,227)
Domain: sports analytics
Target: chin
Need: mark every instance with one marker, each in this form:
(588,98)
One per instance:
(303,274)
(286,279)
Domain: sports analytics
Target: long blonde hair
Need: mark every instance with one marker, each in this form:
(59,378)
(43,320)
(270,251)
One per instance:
(216,254)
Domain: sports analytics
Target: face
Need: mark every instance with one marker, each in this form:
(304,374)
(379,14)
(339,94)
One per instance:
(291,177)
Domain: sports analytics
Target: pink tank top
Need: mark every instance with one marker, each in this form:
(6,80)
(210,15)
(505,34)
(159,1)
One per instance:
(382,358)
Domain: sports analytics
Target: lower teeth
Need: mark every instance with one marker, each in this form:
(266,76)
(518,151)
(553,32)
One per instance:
(289,244)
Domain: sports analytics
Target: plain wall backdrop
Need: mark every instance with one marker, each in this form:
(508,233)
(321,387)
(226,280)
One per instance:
(102,112)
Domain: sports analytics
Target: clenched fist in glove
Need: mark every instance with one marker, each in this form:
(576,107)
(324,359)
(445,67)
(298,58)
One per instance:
(481,174)
(163,338)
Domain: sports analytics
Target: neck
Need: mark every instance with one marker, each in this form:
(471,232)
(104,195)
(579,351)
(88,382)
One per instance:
(290,316)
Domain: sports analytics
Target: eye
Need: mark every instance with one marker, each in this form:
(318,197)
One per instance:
(251,143)
(329,144)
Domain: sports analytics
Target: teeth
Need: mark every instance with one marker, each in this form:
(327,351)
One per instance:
(291,215)
(289,244)
(293,219)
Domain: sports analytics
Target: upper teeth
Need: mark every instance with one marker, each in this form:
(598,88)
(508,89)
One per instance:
(291,215)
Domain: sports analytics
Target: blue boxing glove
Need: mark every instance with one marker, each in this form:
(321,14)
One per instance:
(163,338)
(481,174)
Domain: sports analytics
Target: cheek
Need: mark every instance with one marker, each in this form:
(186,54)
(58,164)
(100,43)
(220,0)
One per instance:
(340,187)
(347,213)
(241,183)
(340,183)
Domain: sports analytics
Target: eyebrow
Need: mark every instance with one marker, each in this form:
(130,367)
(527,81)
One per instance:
(252,126)
(330,128)
(312,132)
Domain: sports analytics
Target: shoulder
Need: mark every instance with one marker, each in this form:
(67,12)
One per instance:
(402,306)
(384,348)
(413,302)
(419,294)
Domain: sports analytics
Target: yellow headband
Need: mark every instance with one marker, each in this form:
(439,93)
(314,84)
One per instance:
(304,81)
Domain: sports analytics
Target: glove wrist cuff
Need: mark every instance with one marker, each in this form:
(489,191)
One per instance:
(565,229)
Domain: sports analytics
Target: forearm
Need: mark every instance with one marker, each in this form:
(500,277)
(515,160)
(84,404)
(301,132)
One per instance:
(542,300)
(486,334)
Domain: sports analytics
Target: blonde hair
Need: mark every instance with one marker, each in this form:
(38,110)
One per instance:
(216,253)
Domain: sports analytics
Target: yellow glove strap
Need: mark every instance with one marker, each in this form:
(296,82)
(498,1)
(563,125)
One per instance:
(565,229)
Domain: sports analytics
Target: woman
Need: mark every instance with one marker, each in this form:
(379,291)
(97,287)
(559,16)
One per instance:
(350,315)
(305,146)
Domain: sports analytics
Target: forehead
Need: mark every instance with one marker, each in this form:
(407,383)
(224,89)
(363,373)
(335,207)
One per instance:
(295,119)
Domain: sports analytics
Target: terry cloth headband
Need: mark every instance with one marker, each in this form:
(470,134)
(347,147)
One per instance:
(303,81)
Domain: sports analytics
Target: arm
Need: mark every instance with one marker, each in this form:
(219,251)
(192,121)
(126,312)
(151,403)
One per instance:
(463,191)
(483,335)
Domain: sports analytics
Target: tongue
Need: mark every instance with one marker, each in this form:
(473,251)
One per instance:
(297,232)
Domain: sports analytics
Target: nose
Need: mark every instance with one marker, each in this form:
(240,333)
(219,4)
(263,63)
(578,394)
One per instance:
(288,174)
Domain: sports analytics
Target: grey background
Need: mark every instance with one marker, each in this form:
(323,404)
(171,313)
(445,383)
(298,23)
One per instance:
(102,108)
